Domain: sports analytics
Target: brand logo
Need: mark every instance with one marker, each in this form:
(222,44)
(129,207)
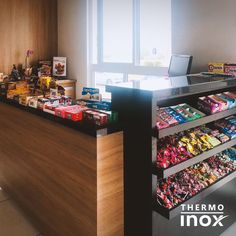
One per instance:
(202,215)
(230,69)
(215,67)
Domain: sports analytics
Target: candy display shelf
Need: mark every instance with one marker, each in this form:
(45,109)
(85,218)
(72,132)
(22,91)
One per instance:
(137,102)
(164,173)
(205,120)
(90,129)
(171,213)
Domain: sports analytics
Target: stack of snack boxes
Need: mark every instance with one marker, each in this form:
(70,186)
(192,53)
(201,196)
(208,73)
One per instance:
(90,108)
(220,67)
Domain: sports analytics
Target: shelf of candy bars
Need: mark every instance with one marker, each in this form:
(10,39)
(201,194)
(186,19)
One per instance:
(174,115)
(175,149)
(90,108)
(183,185)
(183,113)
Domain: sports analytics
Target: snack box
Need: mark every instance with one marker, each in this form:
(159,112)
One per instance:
(51,104)
(208,105)
(53,92)
(230,69)
(92,97)
(112,115)
(41,102)
(53,101)
(91,94)
(33,102)
(87,90)
(50,108)
(103,105)
(223,105)
(24,100)
(75,113)
(61,111)
(95,117)
(216,67)
(65,100)
(231,102)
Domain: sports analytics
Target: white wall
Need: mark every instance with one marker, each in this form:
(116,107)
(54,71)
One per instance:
(72,42)
(206,29)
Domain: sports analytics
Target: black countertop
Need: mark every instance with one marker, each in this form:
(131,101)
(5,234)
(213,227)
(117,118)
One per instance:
(163,88)
(90,129)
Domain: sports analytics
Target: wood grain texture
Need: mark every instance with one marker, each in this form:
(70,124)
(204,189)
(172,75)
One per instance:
(110,184)
(62,178)
(27,24)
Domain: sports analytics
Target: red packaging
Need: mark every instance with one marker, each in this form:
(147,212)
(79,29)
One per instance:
(95,117)
(230,69)
(61,111)
(100,119)
(222,103)
(75,113)
(88,115)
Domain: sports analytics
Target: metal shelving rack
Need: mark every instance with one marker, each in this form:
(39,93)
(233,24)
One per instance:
(137,112)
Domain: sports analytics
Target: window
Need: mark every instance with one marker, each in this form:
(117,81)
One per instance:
(117,31)
(155,33)
(126,38)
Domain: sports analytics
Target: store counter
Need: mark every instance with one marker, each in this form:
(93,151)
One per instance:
(138,104)
(69,181)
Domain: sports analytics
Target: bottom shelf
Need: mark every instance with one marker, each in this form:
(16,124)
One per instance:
(171,213)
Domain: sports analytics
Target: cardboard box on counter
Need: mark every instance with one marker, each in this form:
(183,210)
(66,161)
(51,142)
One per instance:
(216,67)
(230,69)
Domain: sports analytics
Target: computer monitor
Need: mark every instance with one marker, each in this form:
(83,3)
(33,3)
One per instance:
(180,65)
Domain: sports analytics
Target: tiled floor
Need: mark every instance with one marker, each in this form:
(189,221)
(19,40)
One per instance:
(12,221)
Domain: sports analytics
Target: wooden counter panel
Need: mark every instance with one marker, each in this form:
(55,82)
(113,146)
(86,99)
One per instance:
(110,186)
(51,171)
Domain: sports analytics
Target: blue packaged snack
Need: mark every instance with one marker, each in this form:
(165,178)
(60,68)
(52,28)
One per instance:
(100,105)
(231,134)
(231,120)
(231,152)
(176,115)
(87,90)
